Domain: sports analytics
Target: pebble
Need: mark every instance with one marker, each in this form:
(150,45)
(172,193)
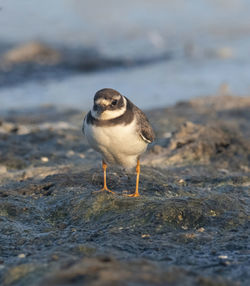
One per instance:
(223,256)
(70,153)
(212,213)
(3,169)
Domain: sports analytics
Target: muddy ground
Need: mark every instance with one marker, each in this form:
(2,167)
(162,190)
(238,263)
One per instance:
(189,227)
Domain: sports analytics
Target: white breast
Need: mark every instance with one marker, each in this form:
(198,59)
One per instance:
(120,144)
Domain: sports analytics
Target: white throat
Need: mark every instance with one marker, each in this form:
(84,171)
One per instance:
(110,114)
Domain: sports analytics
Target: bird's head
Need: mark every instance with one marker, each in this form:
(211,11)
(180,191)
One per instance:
(108,104)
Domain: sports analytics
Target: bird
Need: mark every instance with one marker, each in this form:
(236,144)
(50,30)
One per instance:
(119,131)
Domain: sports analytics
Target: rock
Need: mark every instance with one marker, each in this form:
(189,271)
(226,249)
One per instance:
(8,127)
(34,61)
(3,169)
(108,271)
(223,101)
(32,52)
(197,142)
(14,274)
(201,144)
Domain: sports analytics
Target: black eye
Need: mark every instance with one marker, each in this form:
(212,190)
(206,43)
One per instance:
(114,102)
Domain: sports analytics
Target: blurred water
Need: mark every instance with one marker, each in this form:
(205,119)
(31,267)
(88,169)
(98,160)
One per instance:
(209,41)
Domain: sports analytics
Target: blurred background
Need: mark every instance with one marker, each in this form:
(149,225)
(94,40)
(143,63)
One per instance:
(155,52)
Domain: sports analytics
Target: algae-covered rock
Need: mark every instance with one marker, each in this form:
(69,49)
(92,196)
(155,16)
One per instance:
(190,226)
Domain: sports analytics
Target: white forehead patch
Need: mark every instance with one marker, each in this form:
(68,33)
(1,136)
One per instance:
(106,102)
(102,101)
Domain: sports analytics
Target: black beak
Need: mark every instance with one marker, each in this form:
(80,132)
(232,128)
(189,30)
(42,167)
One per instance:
(100,108)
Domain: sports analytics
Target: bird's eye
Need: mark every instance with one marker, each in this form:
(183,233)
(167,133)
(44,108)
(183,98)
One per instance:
(114,102)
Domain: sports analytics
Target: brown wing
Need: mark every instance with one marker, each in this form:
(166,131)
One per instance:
(145,130)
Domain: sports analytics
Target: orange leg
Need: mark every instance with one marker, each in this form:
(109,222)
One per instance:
(105,188)
(138,169)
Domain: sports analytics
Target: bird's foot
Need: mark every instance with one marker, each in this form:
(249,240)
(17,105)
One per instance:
(132,195)
(104,189)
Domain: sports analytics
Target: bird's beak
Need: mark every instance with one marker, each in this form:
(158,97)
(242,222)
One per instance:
(100,108)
